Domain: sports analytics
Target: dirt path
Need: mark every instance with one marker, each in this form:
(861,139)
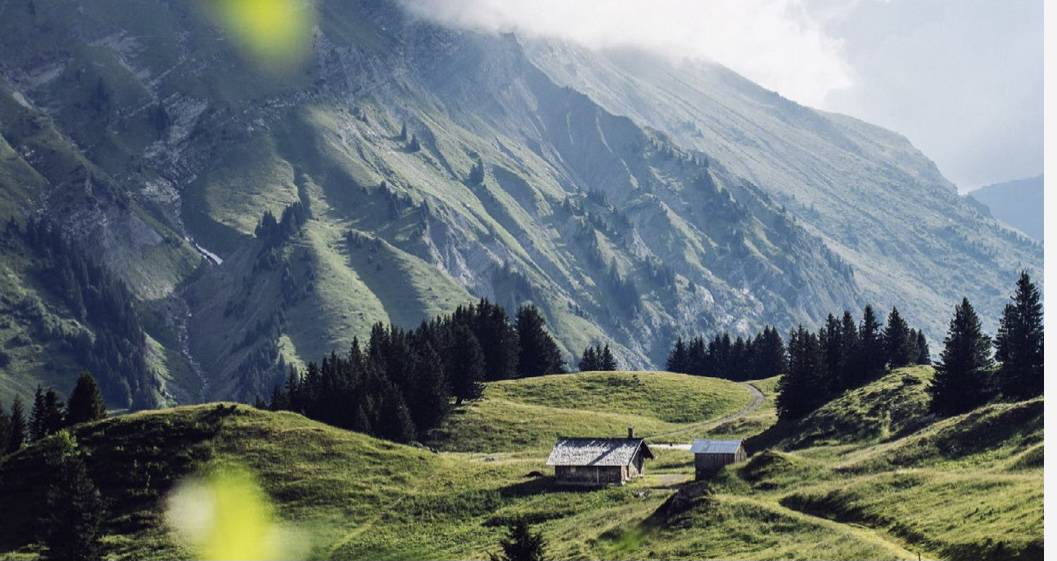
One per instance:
(705,426)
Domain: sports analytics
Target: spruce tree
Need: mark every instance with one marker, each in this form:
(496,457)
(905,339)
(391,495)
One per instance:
(5,429)
(427,396)
(851,350)
(589,361)
(75,512)
(872,356)
(54,415)
(678,359)
(900,349)
(770,353)
(521,544)
(608,362)
(960,382)
(1019,343)
(539,353)
(831,343)
(86,402)
(466,367)
(798,389)
(924,356)
(18,430)
(37,422)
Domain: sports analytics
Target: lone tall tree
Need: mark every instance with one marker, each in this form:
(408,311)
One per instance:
(1019,343)
(960,382)
(75,511)
(539,353)
(521,544)
(86,402)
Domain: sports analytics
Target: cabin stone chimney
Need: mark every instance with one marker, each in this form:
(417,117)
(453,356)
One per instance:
(631,432)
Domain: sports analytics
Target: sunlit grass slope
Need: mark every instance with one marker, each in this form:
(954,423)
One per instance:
(529,413)
(967,487)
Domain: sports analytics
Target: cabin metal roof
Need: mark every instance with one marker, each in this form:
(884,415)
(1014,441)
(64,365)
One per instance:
(715,446)
(588,451)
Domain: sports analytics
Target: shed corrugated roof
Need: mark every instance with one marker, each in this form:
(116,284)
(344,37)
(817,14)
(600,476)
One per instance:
(715,446)
(596,451)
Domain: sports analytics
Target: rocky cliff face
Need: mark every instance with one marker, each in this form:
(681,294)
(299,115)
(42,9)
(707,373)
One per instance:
(422,168)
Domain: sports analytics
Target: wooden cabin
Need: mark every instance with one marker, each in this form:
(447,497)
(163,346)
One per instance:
(711,455)
(596,462)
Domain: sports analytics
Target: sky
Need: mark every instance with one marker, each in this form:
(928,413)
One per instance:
(962,79)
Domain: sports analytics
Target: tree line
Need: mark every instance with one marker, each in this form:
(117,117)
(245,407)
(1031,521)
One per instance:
(967,375)
(751,358)
(597,358)
(400,384)
(843,355)
(49,414)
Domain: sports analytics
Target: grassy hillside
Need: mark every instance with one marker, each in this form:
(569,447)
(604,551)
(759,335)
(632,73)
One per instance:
(530,413)
(965,487)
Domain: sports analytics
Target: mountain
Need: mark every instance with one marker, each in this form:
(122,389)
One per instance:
(870,475)
(1016,203)
(877,202)
(264,218)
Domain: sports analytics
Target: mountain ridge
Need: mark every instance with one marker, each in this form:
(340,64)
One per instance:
(149,137)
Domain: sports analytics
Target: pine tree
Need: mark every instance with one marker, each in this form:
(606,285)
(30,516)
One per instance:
(86,402)
(589,360)
(539,353)
(521,544)
(924,356)
(608,362)
(37,429)
(427,395)
(900,349)
(403,132)
(872,356)
(1019,343)
(466,367)
(394,421)
(54,415)
(831,342)
(770,352)
(75,512)
(960,382)
(851,347)
(5,430)
(798,389)
(414,146)
(678,359)
(18,429)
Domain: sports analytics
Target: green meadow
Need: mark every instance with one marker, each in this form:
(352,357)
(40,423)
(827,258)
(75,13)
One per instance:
(870,475)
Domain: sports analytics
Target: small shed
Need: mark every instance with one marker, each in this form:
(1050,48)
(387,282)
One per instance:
(591,461)
(711,455)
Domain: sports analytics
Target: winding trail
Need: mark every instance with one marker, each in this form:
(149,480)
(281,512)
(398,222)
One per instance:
(705,426)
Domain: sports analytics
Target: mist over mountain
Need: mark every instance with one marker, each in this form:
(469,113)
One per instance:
(408,168)
(1018,203)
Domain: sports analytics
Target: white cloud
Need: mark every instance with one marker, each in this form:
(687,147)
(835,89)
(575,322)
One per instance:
(776,43)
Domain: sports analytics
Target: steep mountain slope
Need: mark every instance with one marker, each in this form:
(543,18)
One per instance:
(150,138)
(876,200)
(1017,203)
